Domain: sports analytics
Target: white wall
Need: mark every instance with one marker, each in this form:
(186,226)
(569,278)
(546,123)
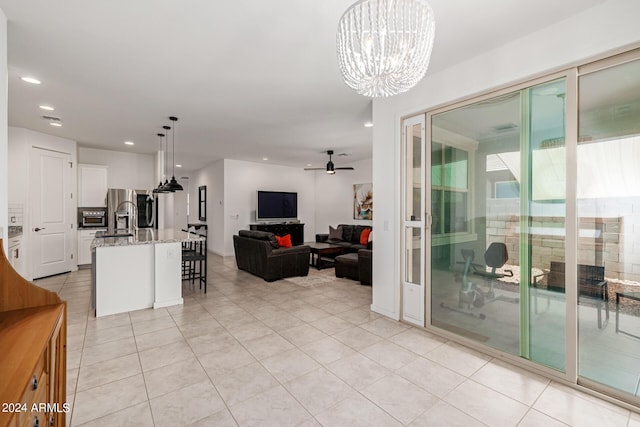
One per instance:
(126,170)
(173,207)
(212,176)
(180,205)
(598,30)
(20,142)
(323,200)
(4,146)
(18,173)
(243,179)
(334,196)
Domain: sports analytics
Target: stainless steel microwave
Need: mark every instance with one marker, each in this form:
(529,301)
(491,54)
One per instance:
(92,217)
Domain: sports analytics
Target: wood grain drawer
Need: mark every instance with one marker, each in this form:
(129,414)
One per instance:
(36,396)
(29,394)
(28,419)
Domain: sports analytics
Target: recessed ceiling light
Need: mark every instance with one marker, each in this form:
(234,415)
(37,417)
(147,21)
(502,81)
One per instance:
(178,166)
(46,107)
(129,143)
(265,158)
(56,124)
(31,80)
(309,164)
(368,124)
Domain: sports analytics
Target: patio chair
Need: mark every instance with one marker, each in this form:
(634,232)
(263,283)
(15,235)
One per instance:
(591,286)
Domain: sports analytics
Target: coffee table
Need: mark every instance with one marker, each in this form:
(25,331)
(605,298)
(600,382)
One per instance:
(323,254)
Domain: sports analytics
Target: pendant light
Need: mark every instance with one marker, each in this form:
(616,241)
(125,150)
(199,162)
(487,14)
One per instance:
(174,185)
(165,186)
(160,188)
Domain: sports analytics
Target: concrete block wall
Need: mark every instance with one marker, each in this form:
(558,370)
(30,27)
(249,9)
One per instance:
(610,241)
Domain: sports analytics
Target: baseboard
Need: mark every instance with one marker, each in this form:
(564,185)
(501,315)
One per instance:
(385,312)
(169,303)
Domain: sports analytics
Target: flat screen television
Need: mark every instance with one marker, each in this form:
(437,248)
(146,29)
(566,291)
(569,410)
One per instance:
(277,205)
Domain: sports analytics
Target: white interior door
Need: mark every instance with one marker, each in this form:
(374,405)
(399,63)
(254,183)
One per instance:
(51,212)
(413,224)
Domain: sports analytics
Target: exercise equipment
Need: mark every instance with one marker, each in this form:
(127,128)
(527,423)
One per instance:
(470,293)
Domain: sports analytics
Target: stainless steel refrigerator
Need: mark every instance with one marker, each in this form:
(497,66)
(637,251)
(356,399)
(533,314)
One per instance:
(128,209)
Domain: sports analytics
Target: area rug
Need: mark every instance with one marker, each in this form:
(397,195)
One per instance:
(311,280)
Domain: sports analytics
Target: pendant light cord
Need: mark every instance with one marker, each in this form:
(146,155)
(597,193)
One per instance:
(166,147)
(174,120)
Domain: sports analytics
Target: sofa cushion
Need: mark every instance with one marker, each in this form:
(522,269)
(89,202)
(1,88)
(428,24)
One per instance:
(260,235)
(347,266)
(364,236)
(335,233)
(356,247)
(341,243)
(347,233)
(284,241)
(357,231)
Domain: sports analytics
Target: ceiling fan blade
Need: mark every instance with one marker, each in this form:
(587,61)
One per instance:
(345,169)
(314,169)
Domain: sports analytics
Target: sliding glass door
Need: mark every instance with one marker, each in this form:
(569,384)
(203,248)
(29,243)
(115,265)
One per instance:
(608,162)
(497,202)
(531,243)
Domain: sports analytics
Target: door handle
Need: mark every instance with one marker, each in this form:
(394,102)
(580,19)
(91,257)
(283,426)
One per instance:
(38,229)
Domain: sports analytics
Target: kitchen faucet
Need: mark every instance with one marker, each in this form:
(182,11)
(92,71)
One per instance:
(133,220)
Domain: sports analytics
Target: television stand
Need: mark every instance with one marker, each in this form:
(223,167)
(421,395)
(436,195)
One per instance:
(296,230)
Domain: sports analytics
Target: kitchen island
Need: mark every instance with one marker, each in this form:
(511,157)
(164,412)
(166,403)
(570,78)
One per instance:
(133,271)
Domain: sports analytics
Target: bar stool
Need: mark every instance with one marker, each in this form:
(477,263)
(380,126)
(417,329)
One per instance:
(194,260)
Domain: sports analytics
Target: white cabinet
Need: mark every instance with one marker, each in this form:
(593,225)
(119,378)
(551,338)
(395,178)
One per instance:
(15,254)
(92,185)
(84,244)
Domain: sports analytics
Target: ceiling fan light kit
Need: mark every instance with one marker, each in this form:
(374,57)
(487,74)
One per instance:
(330,168)
(384,46)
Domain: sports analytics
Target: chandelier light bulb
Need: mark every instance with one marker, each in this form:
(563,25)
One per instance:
(384,46)
(367,43)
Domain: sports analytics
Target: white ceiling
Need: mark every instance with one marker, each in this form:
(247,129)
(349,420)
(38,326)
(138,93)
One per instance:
(247,78)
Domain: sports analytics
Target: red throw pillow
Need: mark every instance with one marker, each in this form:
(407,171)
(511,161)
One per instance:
(284,241)
(364,236)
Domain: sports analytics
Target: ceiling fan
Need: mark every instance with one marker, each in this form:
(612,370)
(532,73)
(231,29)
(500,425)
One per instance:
(330,169)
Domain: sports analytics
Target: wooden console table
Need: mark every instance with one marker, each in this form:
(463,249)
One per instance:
(296,230)
(33,361)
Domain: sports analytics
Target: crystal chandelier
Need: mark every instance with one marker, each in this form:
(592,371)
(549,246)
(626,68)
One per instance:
(384,45)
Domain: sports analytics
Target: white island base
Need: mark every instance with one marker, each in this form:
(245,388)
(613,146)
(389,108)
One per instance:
(137,274)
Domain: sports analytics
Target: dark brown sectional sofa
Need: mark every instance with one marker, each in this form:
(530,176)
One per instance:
(350,238)
(258,253)
(356,263)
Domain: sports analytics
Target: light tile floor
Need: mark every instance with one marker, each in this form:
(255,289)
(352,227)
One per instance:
(299,352)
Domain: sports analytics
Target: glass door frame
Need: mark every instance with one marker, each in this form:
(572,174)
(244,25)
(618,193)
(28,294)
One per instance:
(422,223)
(571,243)
(602,64)
(571,76)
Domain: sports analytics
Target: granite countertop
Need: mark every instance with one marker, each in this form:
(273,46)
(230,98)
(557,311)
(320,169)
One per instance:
(144,236)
